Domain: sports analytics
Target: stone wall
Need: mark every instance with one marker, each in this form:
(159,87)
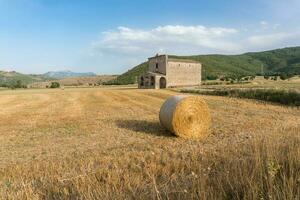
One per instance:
(158,64)
(183,73)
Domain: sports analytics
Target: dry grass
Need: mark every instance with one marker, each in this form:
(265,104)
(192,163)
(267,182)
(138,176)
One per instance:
(259,83)
(108,144)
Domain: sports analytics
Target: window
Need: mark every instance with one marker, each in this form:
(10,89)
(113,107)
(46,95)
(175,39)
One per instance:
(156,67)
(152,81)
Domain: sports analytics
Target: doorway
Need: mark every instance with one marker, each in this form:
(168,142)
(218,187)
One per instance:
(162,83)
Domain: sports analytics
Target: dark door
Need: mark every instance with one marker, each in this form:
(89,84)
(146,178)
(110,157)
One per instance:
(162,83)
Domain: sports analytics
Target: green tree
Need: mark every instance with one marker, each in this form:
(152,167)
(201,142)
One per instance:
(54,85)
(19,84)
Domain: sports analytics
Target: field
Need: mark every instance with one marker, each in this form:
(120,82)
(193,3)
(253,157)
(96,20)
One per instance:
(106,143)
(258,83)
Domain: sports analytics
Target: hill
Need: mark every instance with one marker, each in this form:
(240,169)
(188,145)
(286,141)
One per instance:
(12,78)
(277,61)
(67,74)
(76,81)
(130,76)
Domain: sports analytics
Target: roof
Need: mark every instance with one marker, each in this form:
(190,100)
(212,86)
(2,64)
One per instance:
(163,55)
(175,59)
(182,60)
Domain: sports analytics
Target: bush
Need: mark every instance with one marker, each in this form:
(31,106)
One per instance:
(285,76)
(54,85)
(211,77)
(212,83)
(14,85)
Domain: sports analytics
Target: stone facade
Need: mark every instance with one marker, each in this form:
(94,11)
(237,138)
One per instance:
(165,72)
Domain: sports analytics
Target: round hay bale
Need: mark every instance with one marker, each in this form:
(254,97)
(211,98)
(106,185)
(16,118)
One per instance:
(185,116)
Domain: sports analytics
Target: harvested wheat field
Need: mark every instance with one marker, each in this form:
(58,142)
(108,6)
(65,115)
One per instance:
(108,144)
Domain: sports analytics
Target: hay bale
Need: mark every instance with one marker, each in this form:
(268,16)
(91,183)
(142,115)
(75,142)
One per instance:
(185,116)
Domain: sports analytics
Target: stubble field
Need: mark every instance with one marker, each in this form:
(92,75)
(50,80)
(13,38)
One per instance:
(106,143)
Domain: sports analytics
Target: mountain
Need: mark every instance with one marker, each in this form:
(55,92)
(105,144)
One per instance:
(286,60)
(12,78)
(67,74)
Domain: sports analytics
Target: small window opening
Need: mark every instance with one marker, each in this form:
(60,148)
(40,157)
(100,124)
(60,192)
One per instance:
(152,81)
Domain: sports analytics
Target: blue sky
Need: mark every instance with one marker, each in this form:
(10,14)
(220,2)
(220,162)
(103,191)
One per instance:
(111,36)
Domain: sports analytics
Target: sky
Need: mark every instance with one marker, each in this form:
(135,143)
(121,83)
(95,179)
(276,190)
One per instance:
(111,36)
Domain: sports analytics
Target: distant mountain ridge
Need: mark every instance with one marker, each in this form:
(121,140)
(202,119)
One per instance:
(8,78)
(67,74)
(286,60)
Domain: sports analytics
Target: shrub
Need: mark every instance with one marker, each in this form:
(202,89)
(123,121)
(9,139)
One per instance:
(54,85)
(211,77)
(285,76)
(15,84)
(212,83)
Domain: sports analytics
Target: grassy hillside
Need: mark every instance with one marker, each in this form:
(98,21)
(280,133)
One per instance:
(285,60)
(130,76)
(12,78)
(281,60)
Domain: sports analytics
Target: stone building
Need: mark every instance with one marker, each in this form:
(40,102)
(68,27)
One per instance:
(165,72)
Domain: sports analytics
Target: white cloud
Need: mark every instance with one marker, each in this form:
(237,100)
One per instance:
(266,25)
(274,40)
(171,39)
(263,23)
(125,45)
